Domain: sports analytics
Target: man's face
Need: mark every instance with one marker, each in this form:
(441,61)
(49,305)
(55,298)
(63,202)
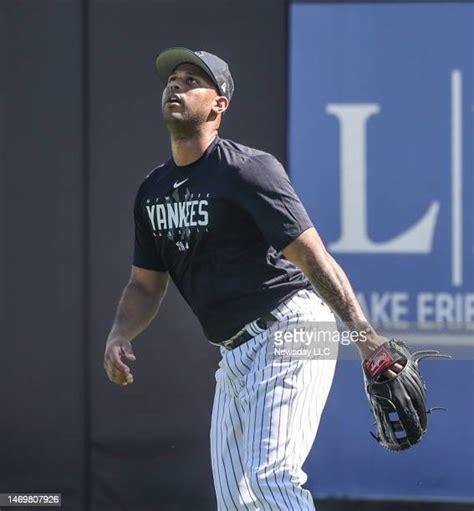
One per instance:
(189,96)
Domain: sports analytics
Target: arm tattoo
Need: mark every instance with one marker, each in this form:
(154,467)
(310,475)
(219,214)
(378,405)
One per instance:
(334,287)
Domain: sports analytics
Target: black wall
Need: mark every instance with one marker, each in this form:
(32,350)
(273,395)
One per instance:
(79,129)
(42,395)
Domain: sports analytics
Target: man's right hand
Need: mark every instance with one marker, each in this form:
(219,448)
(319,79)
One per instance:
(116,370)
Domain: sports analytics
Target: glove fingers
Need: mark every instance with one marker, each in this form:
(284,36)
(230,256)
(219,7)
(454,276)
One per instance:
(382,408)
(409,417)
(418,396)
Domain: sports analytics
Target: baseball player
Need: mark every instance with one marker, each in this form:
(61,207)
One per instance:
(223,221)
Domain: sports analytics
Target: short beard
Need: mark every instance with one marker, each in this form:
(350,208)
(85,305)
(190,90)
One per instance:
(185,127)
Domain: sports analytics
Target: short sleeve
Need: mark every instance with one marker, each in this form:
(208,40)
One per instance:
(265,192)
(145,252)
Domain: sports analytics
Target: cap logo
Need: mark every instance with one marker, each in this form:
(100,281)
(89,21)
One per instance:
(223,87)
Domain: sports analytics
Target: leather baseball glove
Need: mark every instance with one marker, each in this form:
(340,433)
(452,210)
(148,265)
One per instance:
(398,403)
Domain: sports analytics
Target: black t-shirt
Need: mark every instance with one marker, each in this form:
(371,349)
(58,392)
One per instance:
(218,226)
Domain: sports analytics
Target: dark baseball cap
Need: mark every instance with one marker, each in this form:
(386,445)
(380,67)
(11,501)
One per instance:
(217,70)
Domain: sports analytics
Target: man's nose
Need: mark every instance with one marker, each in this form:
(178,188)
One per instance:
(174,85)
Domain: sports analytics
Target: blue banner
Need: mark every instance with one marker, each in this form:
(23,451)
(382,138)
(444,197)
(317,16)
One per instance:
(380,145)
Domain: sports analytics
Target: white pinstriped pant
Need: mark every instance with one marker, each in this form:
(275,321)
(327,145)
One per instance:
(265,416)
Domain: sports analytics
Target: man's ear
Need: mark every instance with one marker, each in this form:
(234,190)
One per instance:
(221,103)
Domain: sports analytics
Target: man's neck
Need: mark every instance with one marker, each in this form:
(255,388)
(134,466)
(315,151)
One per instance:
(188,149)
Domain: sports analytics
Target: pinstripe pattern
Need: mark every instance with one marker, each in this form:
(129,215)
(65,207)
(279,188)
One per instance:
(265,417)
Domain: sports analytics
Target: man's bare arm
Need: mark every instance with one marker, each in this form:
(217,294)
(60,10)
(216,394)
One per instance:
(310,255)
(139,302)
(138,305)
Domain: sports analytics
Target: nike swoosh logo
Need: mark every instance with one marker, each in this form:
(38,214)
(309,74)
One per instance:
(179,183)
